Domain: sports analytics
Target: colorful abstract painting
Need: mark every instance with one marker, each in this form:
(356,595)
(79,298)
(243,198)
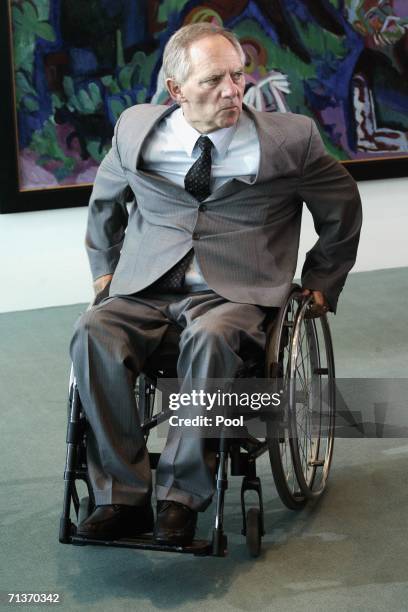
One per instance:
(78,64)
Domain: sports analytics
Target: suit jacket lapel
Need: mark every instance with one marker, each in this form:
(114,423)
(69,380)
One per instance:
(149,127)
(271,140)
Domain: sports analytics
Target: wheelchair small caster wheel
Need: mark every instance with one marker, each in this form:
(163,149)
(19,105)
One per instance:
(253,532)
(66,529)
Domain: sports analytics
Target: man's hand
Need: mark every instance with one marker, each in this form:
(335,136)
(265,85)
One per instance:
(319,305)
(101,282)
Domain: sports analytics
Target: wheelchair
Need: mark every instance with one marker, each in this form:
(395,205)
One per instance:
(298,436)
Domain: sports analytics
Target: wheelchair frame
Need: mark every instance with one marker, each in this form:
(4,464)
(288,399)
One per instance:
(298,353)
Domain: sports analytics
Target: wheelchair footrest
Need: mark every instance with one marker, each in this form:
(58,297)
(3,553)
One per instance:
(197,547)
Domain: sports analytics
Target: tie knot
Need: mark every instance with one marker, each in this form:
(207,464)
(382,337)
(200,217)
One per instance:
(205,144)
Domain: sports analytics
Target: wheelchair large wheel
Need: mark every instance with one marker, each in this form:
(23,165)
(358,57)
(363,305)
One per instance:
(311,401)
(278,351)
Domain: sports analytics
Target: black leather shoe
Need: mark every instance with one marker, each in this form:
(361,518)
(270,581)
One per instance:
(115,521)
(175,524)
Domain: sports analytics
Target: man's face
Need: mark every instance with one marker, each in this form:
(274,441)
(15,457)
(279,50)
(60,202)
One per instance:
(211,97)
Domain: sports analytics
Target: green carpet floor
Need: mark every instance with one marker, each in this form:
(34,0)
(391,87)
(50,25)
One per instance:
(348,552)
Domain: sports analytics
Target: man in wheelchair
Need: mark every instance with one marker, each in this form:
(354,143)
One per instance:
(209,243)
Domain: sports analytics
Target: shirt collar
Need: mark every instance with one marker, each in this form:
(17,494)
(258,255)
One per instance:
(188,136)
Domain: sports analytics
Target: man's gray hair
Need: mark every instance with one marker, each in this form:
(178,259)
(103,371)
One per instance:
(176,56)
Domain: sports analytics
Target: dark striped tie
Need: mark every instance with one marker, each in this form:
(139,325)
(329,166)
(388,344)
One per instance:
(197,179)
(196,182)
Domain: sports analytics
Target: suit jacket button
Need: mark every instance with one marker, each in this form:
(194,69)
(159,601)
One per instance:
(196,236)
(202,207)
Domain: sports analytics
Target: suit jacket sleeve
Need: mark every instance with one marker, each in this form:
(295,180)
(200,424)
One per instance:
(332,197)
(107,215)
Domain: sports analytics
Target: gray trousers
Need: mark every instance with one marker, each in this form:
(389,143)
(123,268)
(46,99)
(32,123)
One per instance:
(109,348)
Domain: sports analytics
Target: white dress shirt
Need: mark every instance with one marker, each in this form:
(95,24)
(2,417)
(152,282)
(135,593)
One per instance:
(171,150)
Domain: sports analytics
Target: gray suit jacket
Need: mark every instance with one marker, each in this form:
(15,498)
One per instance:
(246,241)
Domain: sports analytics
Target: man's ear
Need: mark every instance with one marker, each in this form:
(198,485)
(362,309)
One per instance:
(175,91)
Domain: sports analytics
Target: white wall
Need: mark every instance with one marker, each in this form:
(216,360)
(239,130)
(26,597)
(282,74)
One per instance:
(383,242)
(43,261)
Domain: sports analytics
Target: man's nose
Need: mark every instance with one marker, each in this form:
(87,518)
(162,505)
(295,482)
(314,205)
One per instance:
(229,88)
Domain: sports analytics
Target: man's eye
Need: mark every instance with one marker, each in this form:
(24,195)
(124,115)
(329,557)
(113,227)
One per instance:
(213,81)
(237,75)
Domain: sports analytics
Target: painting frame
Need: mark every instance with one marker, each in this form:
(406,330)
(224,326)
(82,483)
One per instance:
(13,199)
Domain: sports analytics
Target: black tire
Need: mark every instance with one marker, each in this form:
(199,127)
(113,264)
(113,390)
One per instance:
(278,434)
(311,401)
(253,532)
